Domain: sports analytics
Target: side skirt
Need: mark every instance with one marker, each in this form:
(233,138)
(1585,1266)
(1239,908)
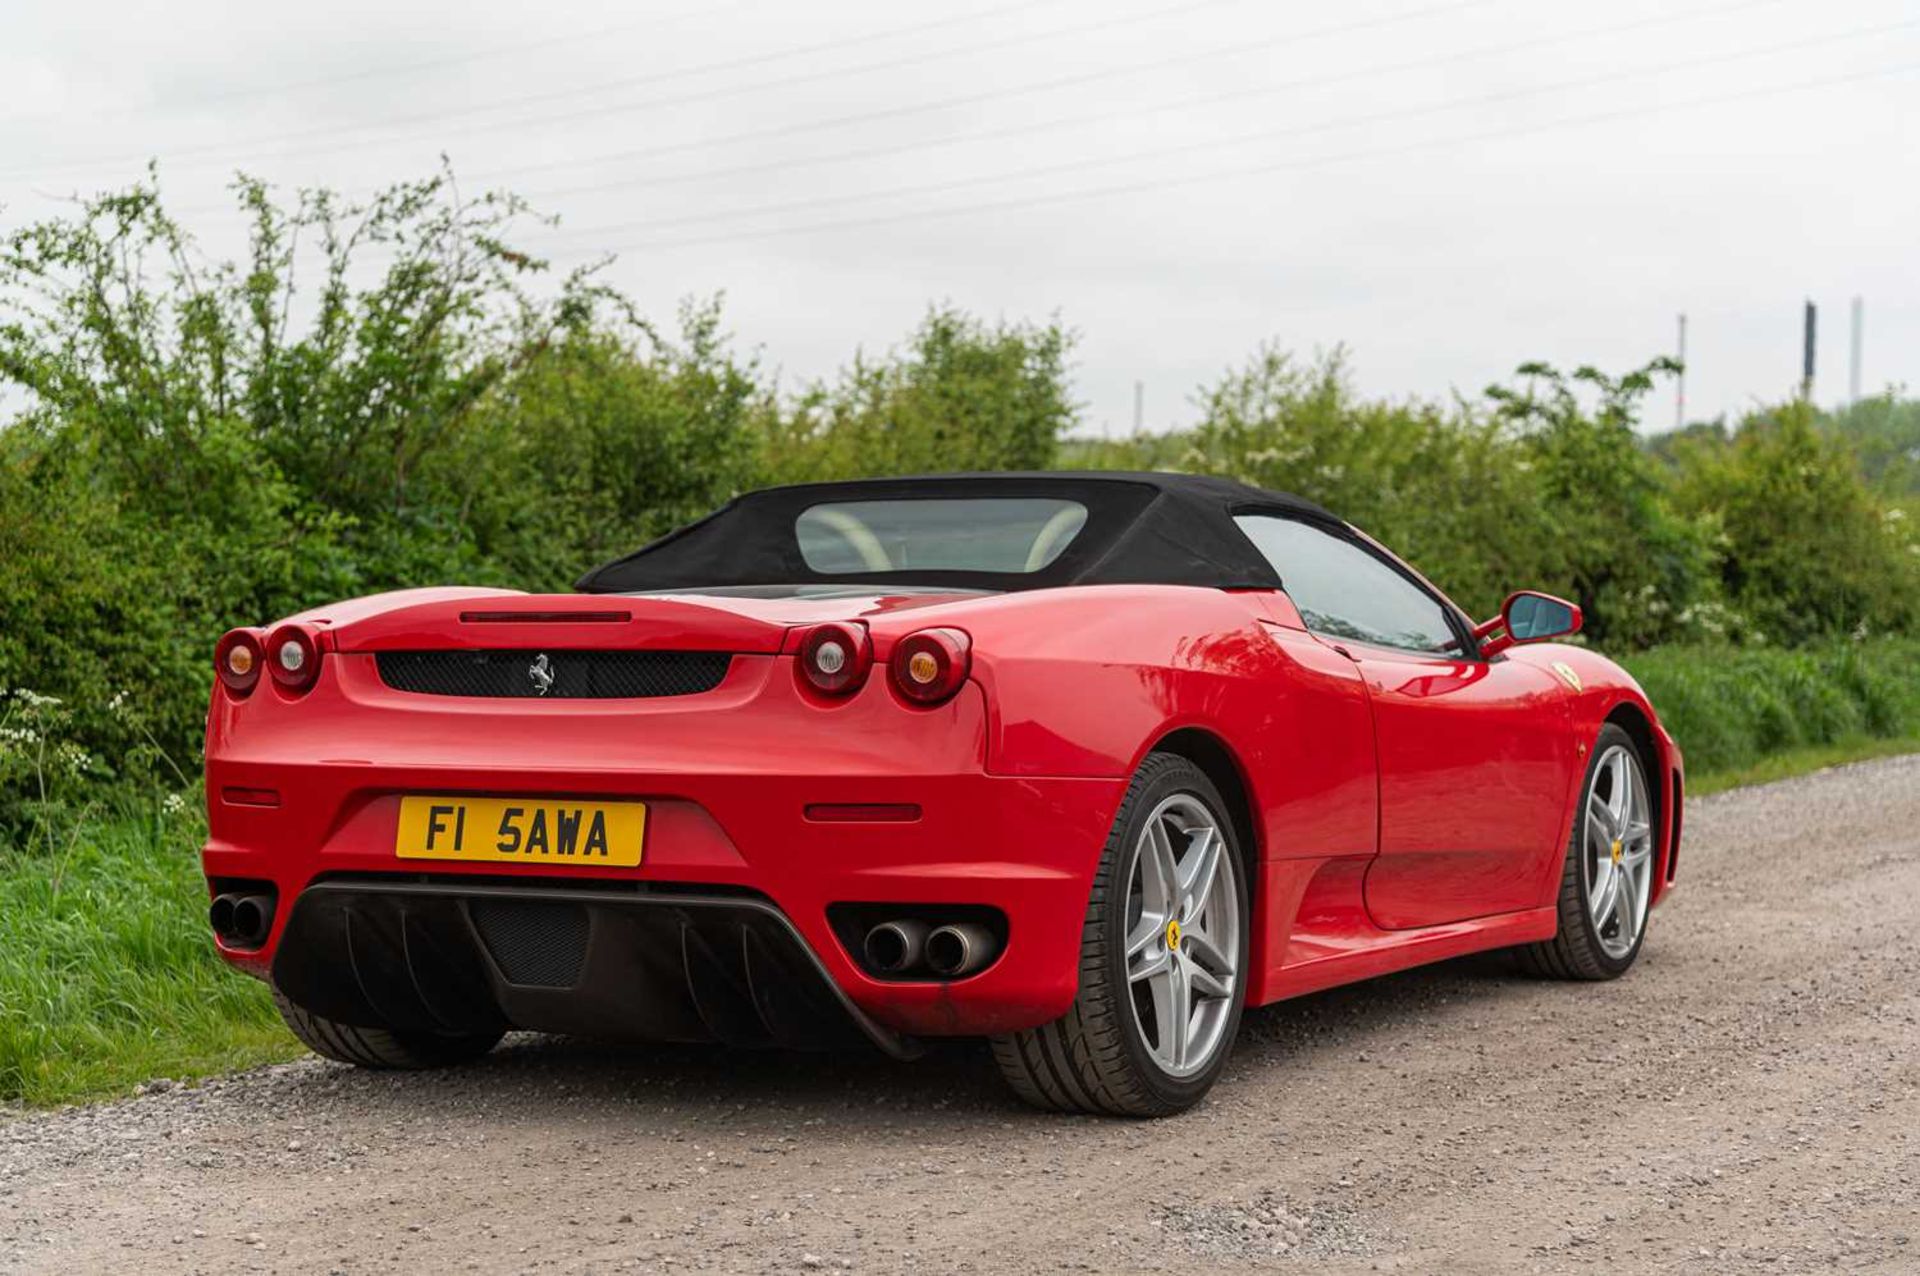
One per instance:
(1320,930)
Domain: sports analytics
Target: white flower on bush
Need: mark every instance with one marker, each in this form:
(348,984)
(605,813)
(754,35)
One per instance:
(34,700)
(72,759)
(173,804)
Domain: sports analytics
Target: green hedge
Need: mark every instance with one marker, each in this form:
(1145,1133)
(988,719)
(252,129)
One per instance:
(1734,707)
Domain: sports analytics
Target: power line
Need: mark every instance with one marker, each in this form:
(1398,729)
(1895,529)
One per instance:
(955,102)
(228,152)
(1231,140)
(1238,171)
(284,88)
(1027,128)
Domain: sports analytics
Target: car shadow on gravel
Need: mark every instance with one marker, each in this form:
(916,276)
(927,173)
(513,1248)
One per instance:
(1297,1030)
(954,1082)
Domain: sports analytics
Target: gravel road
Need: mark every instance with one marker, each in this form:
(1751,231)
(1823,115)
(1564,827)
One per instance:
(1745,1100)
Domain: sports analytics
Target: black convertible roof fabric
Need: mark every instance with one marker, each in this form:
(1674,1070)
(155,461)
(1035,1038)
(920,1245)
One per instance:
(1141,529)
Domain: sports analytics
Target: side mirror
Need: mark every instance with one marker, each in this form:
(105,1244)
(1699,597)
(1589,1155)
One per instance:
(1528,616)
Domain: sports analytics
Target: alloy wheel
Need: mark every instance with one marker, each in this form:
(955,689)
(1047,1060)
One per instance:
(1183,935)
(1617,851)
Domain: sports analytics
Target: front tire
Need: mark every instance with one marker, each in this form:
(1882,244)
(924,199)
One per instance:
(1163,956)
(380,1047)
(1607,882)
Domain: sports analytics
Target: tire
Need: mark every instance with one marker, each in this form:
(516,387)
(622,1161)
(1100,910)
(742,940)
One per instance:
(380,1047)
(1584,946)
(1100,1057)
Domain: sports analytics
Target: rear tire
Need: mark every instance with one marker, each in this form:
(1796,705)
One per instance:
(1101,1057)
(1599,935)
(380,1047)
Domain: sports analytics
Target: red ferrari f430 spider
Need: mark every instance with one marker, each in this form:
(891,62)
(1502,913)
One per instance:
(1084,764)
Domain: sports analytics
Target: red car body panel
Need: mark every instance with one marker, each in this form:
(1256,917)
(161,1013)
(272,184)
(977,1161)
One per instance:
(1397,809)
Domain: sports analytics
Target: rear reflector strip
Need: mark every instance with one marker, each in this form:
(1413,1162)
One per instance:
(234,796)
(863,813)
(545,617)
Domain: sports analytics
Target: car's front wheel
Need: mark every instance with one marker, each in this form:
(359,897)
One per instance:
(1606,881)
(1162,960)
(380,1047)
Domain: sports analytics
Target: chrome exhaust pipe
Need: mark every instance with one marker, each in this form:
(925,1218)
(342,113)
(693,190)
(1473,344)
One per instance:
(960,948)
(252,919)
(892,947)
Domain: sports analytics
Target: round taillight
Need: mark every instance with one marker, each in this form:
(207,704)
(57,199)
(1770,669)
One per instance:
(236,659)
(293,658)
(931,665)
(834,659)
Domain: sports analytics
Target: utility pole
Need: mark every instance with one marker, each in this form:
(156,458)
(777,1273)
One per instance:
(1806,353)
(1680,382)
(1139,406)
(1853,352)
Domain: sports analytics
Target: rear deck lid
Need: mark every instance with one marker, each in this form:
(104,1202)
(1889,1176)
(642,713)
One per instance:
(474,620)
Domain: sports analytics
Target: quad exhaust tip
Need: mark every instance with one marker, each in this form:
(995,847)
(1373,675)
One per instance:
(893,947)
(959,948)
(909,946)
(242,919)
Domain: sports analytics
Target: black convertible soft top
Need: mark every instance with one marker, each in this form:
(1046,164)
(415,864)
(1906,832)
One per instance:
(1162,529)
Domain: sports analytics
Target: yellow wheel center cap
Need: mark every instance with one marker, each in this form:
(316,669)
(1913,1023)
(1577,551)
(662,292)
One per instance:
(1616,850)
(1173,935)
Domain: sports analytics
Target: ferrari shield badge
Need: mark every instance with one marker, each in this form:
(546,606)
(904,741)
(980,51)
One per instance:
(1567,675)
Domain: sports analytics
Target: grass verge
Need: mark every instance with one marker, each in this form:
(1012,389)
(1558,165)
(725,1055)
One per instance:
(107,976)
(1801,761)
(1742,710)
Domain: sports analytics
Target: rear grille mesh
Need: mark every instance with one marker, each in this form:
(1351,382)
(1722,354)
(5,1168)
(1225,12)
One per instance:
(553,675)
(537,945)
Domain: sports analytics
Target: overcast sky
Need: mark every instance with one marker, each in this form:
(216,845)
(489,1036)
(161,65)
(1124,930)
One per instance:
(1449,187)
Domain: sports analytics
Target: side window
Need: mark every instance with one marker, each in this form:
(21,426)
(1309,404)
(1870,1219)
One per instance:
(1343,591)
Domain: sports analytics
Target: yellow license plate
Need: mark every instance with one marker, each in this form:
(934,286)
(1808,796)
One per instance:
(521,831)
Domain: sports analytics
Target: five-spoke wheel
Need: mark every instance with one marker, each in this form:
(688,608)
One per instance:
(1619,850)
(1183,934)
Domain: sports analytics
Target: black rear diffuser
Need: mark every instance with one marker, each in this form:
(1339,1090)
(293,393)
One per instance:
(448,958)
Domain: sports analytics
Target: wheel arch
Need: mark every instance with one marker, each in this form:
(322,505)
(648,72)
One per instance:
(1633,720)
(1220,764)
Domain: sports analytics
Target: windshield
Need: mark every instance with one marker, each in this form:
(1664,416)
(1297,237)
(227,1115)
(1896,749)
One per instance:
(1012,535)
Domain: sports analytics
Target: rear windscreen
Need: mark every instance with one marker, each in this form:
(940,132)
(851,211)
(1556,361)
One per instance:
(1008,535)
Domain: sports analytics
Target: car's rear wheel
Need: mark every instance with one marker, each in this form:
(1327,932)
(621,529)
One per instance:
(1163,957)
(1607,882)
(381,1047)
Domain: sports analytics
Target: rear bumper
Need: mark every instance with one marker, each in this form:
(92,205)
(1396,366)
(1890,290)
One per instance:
(733,811)
(473,958)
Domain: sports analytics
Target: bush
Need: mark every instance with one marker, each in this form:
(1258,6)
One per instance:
(1731,707)
(961,396)
(1540,491)
(1805,549)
